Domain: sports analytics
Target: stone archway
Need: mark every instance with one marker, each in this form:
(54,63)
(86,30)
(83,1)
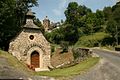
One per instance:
(35,59)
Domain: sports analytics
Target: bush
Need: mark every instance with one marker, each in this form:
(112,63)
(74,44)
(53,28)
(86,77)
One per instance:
(117,48)
(64,45)
(52,48)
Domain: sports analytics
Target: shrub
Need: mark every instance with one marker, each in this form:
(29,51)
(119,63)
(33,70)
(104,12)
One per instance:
(64,45)
(117,48)
(52,48)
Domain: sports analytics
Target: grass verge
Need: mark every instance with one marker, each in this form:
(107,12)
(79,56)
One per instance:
(74,70)
(108,47)
(14,62)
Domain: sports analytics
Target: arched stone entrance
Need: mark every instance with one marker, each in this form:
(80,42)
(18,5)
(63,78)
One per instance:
(35,59)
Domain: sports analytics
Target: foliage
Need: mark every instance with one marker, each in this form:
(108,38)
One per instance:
(74,12)
(21,8)
(65,33)
(64,45)
(8,27)
(92,40)
(52,48)
(117,48)
(77,69)
(12,16)
(107,13)
(111,27)
(80,21)
(15,63)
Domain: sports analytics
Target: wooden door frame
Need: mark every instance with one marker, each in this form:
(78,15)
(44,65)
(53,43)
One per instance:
(35,52)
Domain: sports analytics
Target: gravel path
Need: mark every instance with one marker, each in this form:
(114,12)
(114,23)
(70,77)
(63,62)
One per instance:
(102,71)
(9,72)
(107,69)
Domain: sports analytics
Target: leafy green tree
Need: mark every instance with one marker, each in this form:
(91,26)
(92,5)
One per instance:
(116,14)
(90,23)
(112,29)
(56,36)
(100,21)
(74,12)
(7,22)
(70,33)
(107,13)
(74,21)
(11,17)
(22,6)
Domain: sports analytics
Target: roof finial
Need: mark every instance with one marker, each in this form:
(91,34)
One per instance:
(46,17)
(30,13)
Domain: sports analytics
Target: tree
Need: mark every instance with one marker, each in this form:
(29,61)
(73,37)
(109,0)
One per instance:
(90,21)
(11,18)
(70,33)
(72,13)
(8,27)
(111,28)
(22,6)
(116,14)
(100,20)
(107,13)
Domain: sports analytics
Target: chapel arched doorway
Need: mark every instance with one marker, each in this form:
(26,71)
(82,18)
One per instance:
(35,59)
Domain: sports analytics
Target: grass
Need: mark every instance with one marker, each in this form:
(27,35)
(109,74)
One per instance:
(14,62)
(74,70)
(91,40)
(108,48)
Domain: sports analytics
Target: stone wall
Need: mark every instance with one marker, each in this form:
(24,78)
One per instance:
(22,47)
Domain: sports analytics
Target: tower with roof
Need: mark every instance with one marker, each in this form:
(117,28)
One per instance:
(46,24)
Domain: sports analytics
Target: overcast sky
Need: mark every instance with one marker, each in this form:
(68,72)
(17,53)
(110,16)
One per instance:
(54,9)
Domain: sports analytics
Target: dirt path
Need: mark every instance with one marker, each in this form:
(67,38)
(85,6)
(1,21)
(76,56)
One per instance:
(102,71)
(107,69)
(8,72)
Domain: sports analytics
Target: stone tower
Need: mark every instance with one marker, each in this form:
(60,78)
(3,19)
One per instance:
(30,46)
(46,24)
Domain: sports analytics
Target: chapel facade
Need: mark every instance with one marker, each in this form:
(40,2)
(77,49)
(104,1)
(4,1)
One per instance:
(30,46)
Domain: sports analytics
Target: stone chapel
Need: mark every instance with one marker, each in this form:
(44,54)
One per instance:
(30,46)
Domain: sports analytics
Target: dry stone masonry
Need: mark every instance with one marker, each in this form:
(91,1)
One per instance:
(30,46)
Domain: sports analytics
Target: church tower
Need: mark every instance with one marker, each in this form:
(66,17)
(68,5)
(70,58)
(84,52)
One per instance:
(46,24)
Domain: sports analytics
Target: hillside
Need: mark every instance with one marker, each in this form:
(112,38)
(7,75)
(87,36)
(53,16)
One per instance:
(11,68)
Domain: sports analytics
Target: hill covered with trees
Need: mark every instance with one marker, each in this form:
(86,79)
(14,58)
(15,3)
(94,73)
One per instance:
(83,27)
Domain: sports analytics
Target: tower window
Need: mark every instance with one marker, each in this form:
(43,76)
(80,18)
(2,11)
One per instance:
(31,37)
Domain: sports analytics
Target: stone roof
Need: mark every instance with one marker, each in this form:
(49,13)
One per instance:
(31,25)
(29,21)
(30,13)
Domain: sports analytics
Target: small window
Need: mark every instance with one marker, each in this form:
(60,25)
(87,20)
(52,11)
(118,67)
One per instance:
(31,37)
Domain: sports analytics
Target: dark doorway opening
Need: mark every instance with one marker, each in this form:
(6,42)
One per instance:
(35,59)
